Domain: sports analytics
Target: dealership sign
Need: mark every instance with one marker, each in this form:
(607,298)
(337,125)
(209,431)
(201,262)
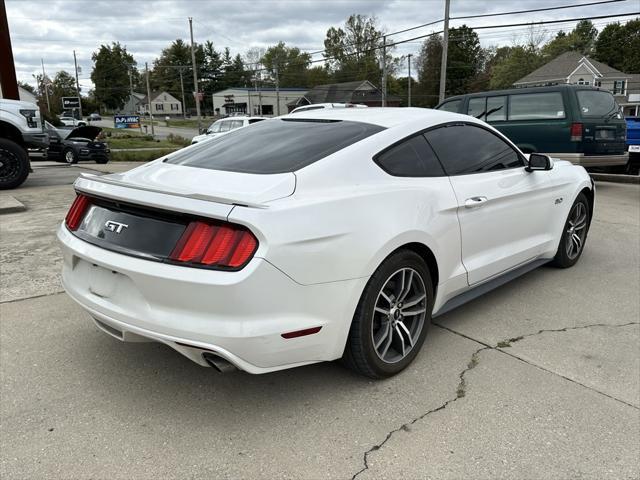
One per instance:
(70,102)
(127,121)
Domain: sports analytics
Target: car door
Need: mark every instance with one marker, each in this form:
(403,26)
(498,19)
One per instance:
(503,210)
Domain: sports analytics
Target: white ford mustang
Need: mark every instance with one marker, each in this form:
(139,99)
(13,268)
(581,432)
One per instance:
(322,235)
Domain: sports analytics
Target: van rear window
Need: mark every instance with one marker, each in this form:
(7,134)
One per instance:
(536,106)
(596,103)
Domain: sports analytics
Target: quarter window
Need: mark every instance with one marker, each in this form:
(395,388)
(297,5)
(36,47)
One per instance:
(464,149)
(452,106)
(410,158)
(536,106)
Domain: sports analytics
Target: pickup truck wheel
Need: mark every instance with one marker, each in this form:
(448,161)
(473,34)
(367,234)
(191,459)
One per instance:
(14,164)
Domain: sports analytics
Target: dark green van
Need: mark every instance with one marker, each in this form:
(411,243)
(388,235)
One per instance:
(572,122)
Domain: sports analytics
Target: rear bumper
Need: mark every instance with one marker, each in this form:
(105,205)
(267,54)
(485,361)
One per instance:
(593,160)
(237,315)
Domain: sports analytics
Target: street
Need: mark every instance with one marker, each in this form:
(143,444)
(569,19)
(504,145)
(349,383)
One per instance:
(537,379)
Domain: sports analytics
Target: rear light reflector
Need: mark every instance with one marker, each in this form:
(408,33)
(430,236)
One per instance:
(301,333)
(223,245)
(76,212)
(576,132)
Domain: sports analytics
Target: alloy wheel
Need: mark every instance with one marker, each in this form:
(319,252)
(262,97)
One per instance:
(69,156)
(398,315)
(576,230)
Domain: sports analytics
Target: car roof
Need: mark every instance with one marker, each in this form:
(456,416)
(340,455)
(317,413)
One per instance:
(511,91)
(384,117)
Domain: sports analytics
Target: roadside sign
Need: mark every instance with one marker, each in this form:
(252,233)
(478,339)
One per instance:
(126,121)
(70,102)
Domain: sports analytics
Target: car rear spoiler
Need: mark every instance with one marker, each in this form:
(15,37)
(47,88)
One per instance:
(92,177)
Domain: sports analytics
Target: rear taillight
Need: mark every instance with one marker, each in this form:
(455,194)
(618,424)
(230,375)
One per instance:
(576,132)
(76,212)
(222,245)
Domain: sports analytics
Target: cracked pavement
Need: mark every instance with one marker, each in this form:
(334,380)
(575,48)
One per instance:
(538,379)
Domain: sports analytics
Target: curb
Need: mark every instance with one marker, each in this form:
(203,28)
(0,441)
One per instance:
(9,204)
(610,177)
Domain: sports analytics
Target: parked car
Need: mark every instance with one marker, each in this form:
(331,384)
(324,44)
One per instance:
(571,122)
(633,142)
(225,125)
(337,233)
(79,144)
(71,122)
(93,117)
(320,106)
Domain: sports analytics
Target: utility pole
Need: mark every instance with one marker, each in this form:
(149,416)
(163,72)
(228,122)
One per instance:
(277,92)
(131,88)
(75,62)
(146,69)
(409,80)
(195,77)
(384,71)
(45,86)
(445,46)
(184,113)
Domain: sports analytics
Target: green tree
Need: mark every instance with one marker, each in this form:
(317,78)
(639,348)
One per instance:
(27,87)
(110,74)
(465,63)
(619,46)
(166,70)
(513,64)
(581,39)
(64,85)
(353,52)
(292,64)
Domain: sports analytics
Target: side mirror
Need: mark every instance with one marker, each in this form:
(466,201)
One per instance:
(538,161)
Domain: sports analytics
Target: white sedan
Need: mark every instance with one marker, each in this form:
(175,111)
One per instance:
(224,126)
(335,233)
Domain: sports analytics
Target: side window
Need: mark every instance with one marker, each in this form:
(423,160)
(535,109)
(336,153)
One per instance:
(235,124)
(465,149)
(255,120)
(452,106)
(215,127)
(536,106)
(496,109)
(477,107)
(225,126)
(410,158)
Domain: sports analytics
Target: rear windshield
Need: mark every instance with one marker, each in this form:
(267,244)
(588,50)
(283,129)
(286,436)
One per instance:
(274,146)
(596,103)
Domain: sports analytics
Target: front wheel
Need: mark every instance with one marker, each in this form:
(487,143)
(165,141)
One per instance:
(14,164)
(392,318)
(574,234)
(70,156)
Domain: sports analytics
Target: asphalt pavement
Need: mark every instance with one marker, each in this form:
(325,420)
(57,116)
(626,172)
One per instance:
(537,379)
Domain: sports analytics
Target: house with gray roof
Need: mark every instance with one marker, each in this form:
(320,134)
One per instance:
(361,91)
(575,68)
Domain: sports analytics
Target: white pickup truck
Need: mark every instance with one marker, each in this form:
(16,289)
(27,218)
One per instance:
(20,129)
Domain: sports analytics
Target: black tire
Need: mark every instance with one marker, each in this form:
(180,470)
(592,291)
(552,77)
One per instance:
(14,164)
(563,258)
(69,156)
(360,354)
(102,160)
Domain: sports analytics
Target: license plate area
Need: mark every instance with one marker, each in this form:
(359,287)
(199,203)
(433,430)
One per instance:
(128,232)
(605,134)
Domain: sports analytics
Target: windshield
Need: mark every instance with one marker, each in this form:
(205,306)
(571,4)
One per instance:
(596,103)
(276,146)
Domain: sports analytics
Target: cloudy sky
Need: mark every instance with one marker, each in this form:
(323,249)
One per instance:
(52,29)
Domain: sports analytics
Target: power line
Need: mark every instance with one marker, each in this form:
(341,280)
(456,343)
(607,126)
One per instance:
(546,9)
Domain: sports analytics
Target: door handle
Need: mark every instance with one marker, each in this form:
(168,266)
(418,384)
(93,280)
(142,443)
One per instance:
(474,202)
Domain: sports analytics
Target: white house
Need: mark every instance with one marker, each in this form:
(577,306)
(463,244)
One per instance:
(573,67)
(162,104)
(263,101)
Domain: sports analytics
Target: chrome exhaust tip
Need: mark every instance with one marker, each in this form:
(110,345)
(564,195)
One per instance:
(219,363)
